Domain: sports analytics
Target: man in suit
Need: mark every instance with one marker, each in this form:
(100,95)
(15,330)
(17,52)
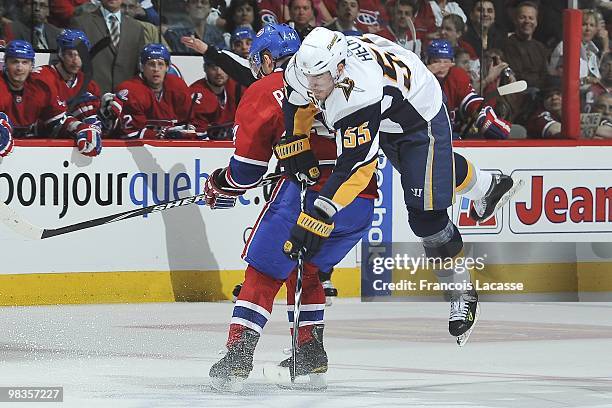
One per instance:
(119,61)
(33,26)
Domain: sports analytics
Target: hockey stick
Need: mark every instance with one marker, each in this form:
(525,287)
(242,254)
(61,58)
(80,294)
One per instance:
(18,224)
(86,56)
(508,89)
(298,293)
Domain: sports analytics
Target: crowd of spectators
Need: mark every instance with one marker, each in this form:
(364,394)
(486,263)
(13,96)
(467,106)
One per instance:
(494,41)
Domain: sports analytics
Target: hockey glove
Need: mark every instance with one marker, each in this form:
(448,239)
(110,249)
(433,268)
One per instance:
(86,106)
(111,107)
(296,158)
(308,235)
(490,126)
(179,132)
(89,141)
(6,135)
(219,195)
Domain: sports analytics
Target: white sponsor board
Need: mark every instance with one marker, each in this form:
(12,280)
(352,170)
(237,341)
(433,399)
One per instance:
(567,197)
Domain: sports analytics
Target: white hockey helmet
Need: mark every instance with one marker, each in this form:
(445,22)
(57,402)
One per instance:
(321,51)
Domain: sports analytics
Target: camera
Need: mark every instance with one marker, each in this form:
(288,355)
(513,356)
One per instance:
(507,72)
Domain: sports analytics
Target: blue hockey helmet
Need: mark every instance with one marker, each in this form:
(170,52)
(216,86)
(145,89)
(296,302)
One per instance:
(279,40)
(242,33)
(19,49)
(154,51)
(440,49)
(68,39)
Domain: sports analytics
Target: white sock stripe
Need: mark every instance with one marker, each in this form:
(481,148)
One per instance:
(262,311)
(308,308)
(308,323)
(246,323)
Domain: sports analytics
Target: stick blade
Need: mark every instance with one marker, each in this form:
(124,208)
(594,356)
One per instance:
(15,222)
(512,88)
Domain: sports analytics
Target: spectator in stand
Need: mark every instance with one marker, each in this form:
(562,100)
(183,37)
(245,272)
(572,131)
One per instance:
(196,25)
(151,105)
(117,62)
(270,12)
(301,13)
(527,56)
(602,38)
(550,26)
(452,29)
(348,10)
(241,40)
(401,29)
(62,11)
(482,33)
(443,8)
(242,13)
(545,123)
(151,14)
(462,59)
(589,63)
(462,100)
(273,11)
(217,97)
(603,105)
(134,9)
(372,15)
(6,34)
(33,106)
(33,26)
(423,19)
(515,108)
(598,88)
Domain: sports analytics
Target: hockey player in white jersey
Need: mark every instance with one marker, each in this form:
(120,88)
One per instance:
(375,93)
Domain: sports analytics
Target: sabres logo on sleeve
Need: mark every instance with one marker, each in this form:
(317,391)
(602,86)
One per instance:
(347,85)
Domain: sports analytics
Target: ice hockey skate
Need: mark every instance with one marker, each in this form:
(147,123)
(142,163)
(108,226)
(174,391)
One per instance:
(463,315)
(502,189)
(230,373)
(311,366)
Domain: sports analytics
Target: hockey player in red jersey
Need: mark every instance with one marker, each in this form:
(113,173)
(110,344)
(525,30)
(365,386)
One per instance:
(259,126)
(34,106)
(461,99)
(152,105)
(216,99)
(68,77)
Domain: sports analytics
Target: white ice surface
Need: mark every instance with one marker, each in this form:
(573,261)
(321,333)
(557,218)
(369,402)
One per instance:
(381,354)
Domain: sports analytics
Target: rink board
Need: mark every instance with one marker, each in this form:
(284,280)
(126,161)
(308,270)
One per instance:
(193,253)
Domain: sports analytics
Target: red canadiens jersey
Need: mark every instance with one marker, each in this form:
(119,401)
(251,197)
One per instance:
(371,14)
(35,110)
(145,115)
(539,123)
(270,11)
(461,97)
(260,124)
(67,90)
(211,109)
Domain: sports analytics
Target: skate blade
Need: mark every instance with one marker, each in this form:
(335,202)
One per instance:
(232,384)
(462,339)
(516,186)
(281,376)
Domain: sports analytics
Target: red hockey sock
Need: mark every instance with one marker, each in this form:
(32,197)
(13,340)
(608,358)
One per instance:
(254,303)
(313,301)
